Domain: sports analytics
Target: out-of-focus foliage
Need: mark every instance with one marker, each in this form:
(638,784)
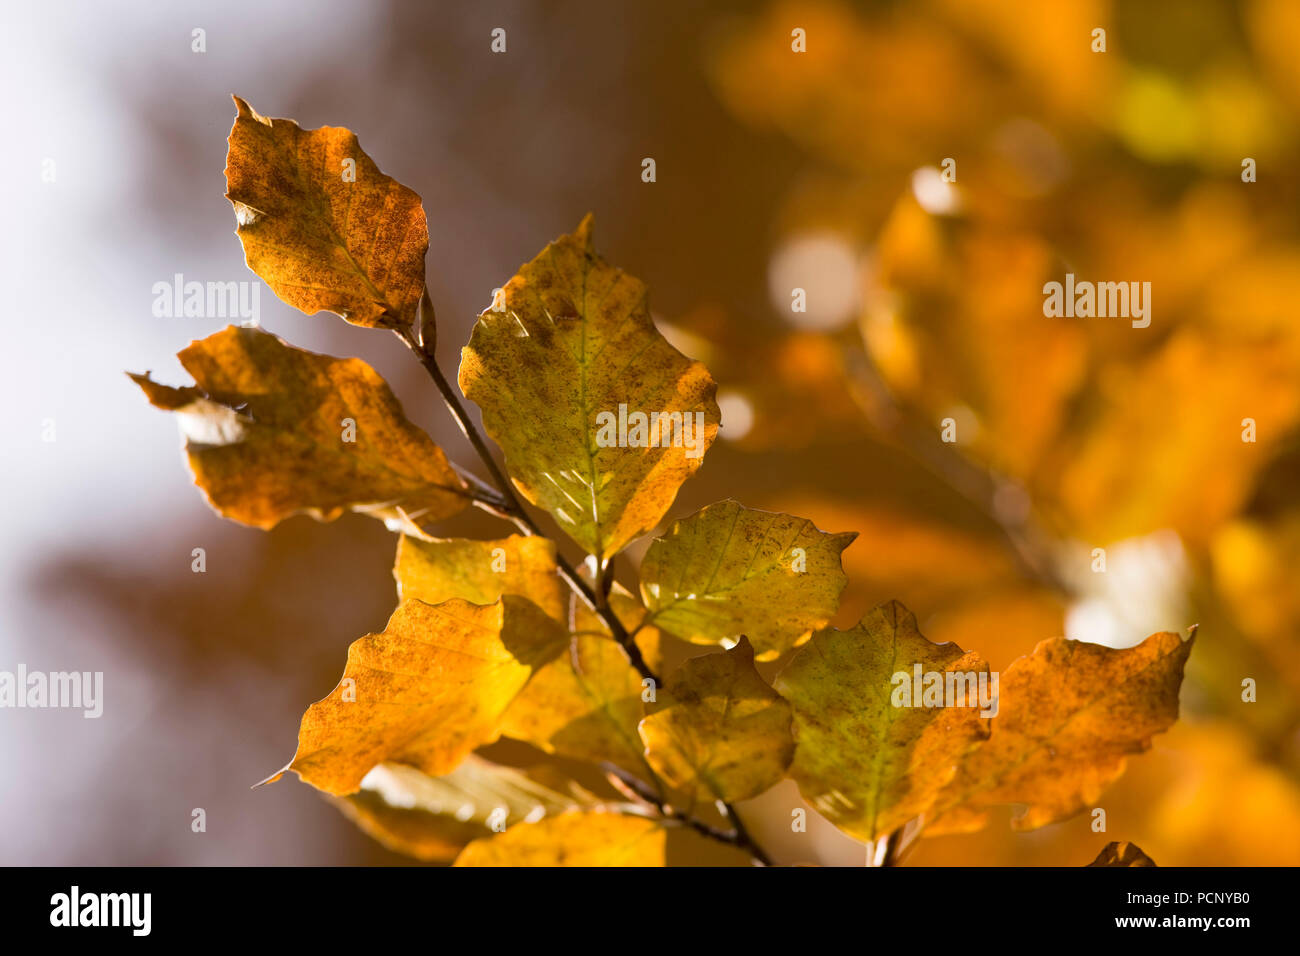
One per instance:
(1072,434)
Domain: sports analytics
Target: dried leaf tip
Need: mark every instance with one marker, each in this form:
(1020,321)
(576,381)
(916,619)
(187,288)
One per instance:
(244,111)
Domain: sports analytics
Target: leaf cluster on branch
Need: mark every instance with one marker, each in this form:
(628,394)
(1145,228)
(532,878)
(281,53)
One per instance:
(507,638)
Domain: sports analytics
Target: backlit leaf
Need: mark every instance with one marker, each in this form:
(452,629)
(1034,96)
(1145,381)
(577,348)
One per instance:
(321,241)
(866,758)
(432,818)
(573,839)
(426,691)
(267,435)
(573,339)
(718,731)
(1068,716)
(730,570)
(482,571)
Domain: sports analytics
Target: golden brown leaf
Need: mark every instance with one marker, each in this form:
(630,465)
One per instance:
(320,241)
(863,759)
(730,570)
(586,703)
(1068,715)
(426,691)
(573,839)
(573,340)
(1122,854)
(718,731)
(481,572)
(432,818)
(266,436)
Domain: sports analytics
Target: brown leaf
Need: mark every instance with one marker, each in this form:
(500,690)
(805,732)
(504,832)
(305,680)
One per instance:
(1068,715)
(718,731)
(426,691)
(866,758)
(573,341)
(321,242)
(266,437)
(1122,854)
(573,839)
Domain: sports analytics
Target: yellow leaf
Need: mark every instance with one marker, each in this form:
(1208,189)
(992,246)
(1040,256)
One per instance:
(572,347)
(426,691)
(322,226)
(480,572)
(432,818)
(719,728)
(730,570)
(586,703)
(1068,715)
(866,758)
(272,431)
(1122,854)
(573,839)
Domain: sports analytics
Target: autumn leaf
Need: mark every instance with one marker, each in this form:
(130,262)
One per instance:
(1122,854)
(273,431)
(433,818)
(586,703)
(480,572)
(718,731)
(426,691)
(579,838)
(1068,716)
(321,225)
(571,348)
(730,570)
(865,759)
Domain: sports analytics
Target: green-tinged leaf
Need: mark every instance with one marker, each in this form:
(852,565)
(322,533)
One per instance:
(730,570)
(718,731)
(432,818)
(273,431)
(578,838)
(426,691)
(571,345)
(868,758)
(480,572)
(322,226)
(1068,716)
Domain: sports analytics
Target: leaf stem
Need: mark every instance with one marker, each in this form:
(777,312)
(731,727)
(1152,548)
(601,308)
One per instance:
(738,836)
